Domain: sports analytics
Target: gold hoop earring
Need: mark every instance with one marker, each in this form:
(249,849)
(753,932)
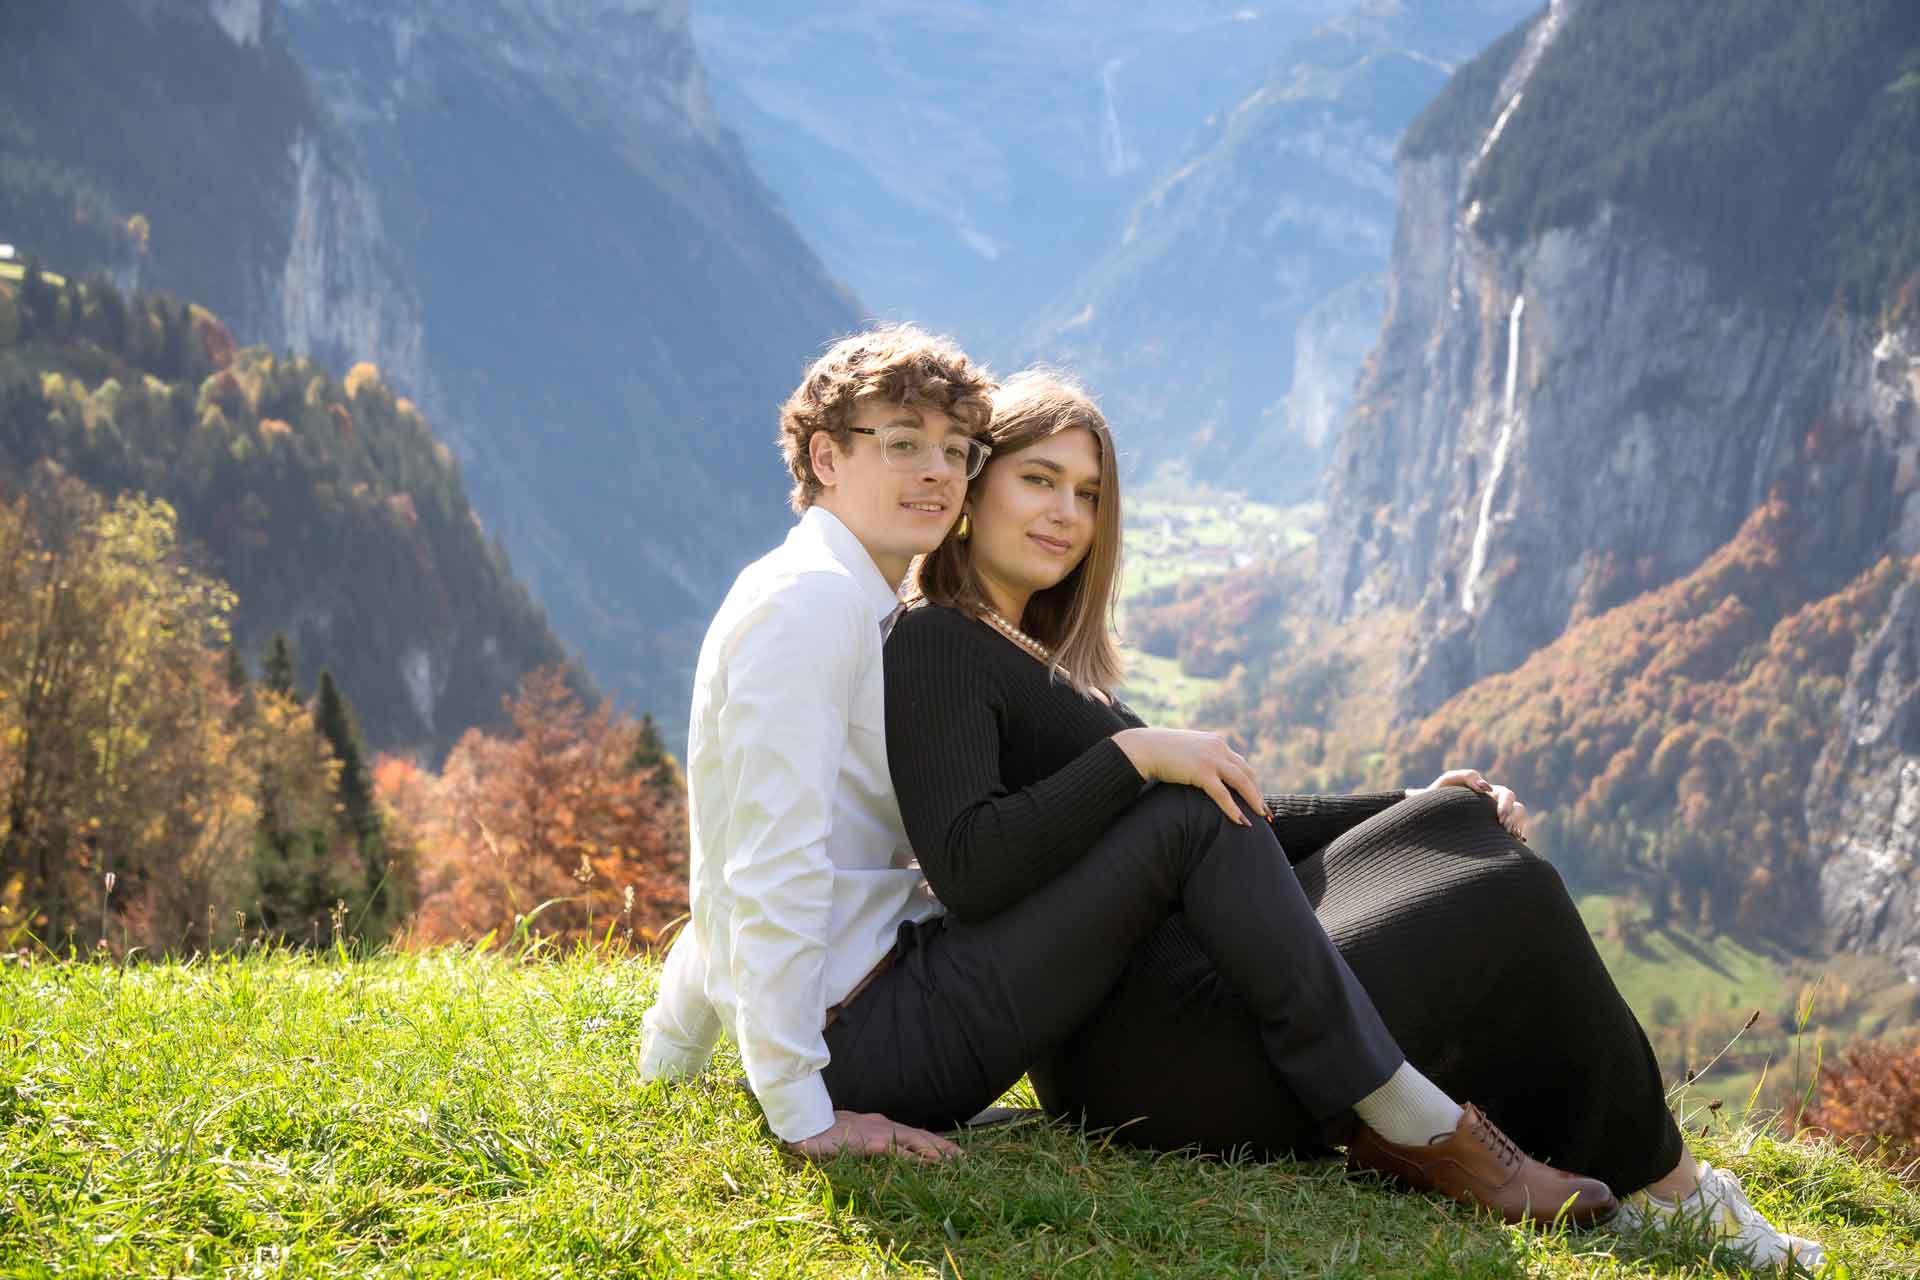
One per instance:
(963,530)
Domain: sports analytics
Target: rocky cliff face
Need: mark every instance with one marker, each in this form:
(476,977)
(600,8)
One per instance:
(197,118)
(1863,801)
(612,305)
(1265,241)
(1559,419)
(1547,428)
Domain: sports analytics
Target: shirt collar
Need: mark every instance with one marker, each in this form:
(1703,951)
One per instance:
(825,528)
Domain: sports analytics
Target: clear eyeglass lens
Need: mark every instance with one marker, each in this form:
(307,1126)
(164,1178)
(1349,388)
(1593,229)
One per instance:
(908,450)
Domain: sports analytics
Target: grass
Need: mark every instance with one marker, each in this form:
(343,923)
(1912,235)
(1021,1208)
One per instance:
(1162,694)
(1694,991)
(462,1113)
(17,271)
(1177,531)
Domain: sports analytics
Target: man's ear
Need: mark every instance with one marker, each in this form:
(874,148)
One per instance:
(825,457)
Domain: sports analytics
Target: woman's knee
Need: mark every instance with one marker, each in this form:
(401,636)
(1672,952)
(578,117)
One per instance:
(1180,824)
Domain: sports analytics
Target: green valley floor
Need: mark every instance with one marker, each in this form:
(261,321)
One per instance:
(455,1113)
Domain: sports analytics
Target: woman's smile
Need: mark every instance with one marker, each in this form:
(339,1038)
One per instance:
(1051,544)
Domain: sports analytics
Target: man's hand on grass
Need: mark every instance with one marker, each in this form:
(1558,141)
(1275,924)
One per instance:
(863,1133)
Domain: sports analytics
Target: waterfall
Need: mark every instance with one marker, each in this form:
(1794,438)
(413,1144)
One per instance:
(1513,355)
(1502,447)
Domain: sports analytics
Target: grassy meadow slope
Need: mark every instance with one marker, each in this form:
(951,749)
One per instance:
(458,1113)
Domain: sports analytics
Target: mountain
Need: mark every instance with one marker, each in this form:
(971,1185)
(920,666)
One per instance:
(1227,320)
(178,147)
(525,214)
(1158,197)
(958,163)
(612,304)
(1655,268)
(326,504)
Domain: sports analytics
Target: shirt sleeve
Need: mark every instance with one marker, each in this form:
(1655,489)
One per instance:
(680,1028)
(982,846)
(1307,824)
(791,672)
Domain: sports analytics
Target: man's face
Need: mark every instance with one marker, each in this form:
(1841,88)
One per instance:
(896,512)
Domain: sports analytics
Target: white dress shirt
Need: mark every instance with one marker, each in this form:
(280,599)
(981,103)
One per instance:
(800,871)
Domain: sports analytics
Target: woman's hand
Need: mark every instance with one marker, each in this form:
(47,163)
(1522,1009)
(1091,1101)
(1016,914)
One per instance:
(1506,805)
(1202,760)
(867,1133)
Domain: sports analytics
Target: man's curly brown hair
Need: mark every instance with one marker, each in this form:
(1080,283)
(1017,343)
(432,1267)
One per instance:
(893,364)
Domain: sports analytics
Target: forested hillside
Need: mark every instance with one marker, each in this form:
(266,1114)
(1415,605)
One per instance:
(1632,105)
(178,147)
(327,504)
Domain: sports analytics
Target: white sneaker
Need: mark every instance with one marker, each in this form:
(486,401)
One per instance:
(1720,1205)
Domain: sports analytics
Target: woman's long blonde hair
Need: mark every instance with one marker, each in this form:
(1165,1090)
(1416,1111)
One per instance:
(1074,617)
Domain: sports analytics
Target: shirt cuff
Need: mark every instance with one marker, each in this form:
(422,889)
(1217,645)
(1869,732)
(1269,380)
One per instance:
(798,1109)
(663,1058)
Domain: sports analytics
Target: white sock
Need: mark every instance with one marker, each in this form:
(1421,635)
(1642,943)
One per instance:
(1409,1109)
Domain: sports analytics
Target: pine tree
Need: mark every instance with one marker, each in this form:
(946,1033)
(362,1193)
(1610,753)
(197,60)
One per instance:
(39,301)
(72,312)
(236,671)
(387,894)
(238,685)
(276,672)
(107,320)
(650,756)
(176,332)
(336,722)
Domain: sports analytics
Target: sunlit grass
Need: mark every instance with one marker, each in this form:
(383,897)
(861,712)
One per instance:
(453,1113)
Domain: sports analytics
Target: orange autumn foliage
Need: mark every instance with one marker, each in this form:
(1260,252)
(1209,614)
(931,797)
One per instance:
(555,827)
(1873,1097)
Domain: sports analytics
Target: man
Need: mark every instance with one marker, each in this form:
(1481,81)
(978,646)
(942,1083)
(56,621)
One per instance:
(801,873)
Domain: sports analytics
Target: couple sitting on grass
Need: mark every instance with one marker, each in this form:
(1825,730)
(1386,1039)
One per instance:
(917,877)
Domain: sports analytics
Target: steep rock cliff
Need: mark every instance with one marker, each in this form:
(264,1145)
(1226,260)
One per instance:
(1552,424)
(1251,247)
(1653,266)
(1863,800)
(197,118)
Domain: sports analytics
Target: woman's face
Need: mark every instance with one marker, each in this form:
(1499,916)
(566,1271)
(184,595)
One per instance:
(1033,515)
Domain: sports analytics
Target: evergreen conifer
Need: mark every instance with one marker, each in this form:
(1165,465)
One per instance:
(276,672)
(337,724)
(38,301)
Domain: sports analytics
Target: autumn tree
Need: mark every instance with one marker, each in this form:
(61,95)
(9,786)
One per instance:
(555,826)
(105,637)
(1872,1095)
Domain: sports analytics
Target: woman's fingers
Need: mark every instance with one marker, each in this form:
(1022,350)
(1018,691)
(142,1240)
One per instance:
(1469,778)
(1240,778)
(1223,797)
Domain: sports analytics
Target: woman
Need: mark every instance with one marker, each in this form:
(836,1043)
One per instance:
(999,700)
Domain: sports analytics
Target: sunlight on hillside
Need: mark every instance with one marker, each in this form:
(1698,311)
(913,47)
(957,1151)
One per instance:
(1176,533)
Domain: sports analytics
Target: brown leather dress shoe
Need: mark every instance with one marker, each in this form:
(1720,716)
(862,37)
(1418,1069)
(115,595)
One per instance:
(1478,1164)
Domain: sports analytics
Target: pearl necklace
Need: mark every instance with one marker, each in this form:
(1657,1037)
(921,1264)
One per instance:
(1019,637)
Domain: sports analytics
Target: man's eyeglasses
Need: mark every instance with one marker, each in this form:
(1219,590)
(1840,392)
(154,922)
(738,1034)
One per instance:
(908,449)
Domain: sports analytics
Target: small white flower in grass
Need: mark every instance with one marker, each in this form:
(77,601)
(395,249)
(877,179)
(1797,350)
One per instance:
(595,1023)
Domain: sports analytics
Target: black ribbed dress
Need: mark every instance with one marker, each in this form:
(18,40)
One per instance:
(1466,941)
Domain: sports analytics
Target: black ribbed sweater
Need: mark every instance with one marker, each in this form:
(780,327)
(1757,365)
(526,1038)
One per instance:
(1006,776)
